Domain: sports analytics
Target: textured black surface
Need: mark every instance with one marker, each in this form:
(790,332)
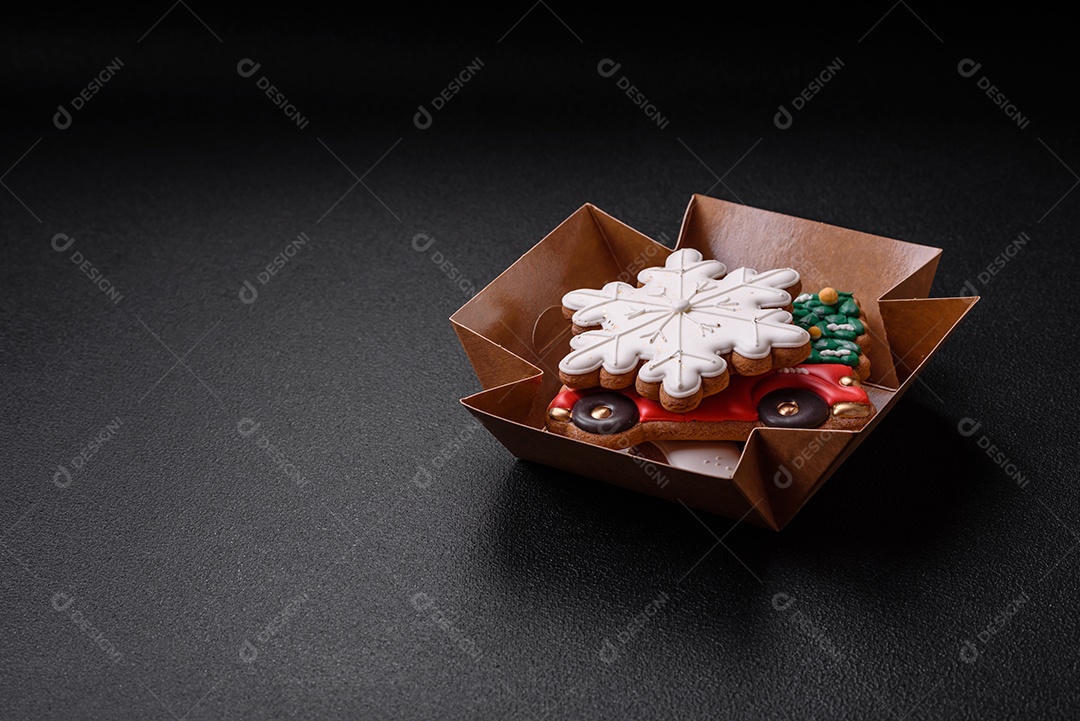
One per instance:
(389,559)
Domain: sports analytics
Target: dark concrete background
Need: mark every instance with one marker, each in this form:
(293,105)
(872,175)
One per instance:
(187,571)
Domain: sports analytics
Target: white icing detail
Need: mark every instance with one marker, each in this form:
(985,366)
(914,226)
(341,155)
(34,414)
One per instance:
(742,312)
(839,353)
(712,458)
(803,298)
(793,370)
(841,326)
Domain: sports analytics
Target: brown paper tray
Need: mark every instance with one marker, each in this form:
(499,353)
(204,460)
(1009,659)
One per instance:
(514,334)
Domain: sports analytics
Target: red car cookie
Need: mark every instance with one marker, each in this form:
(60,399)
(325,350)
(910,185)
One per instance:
(823,396)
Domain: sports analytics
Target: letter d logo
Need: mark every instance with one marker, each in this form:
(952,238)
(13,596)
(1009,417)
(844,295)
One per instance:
(247,67)
(247,426)
(421,242)
(248,294)
(968,426)
(968,67)
(248,652)
(62,477)
(62,118)
(782,478)
(969,653)
(783,119)
(782,601)
(62,237)
(422,119)
(607,67)
(61,601)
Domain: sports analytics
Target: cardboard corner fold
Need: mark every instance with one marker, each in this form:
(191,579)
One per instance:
(494,365)
(793,464)
(918,284)
(918,326)
(514,400)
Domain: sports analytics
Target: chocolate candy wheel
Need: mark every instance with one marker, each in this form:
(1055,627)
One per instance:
(604,413)
(792,408)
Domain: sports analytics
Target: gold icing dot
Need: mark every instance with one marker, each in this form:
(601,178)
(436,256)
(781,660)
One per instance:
(787,408)
(559,414)
(850,381)
(601,412)
(814,332)
(850,410)
(828,296)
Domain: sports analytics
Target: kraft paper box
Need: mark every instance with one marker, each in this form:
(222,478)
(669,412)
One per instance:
(515,335)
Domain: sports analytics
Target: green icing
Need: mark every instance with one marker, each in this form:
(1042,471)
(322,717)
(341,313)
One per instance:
(849,308)
(834,344)
(845,312)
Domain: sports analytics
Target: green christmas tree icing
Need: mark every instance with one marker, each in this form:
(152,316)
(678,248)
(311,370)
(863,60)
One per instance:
(839,324)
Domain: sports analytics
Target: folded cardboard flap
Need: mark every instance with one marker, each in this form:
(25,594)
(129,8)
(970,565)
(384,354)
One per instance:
(917,326)
(506,311)
(494,365)
(515,334)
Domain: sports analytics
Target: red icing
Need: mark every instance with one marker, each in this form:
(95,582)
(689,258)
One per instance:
(738,402)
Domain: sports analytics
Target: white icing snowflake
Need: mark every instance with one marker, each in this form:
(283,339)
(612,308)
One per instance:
(681,320)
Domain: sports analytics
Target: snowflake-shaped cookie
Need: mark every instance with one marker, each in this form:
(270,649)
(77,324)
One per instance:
(685,324)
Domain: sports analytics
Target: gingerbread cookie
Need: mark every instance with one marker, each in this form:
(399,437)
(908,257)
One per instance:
(833,319)
(824,395)
(684,332)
